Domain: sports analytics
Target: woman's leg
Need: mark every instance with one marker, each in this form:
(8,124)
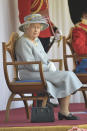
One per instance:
(64,105)
(64,109)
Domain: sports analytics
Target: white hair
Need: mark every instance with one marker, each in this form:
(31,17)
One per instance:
(25,27)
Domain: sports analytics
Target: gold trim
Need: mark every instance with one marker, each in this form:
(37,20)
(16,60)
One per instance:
(78,25)
(28,19)
(47,3)
(38,9)
(34,3)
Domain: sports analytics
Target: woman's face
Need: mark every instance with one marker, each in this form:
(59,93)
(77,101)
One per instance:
(33,30)
(84,15)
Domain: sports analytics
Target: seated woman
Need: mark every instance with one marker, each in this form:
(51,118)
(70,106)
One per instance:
(60,84)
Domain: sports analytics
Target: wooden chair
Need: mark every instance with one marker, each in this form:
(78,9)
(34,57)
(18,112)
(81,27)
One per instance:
(71,54)
(17,86)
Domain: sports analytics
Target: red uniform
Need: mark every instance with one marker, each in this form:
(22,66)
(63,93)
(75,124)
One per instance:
(79,43)
(27,7)
(79,38)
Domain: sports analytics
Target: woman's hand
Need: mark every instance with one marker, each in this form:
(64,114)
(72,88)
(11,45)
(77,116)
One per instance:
(51,66)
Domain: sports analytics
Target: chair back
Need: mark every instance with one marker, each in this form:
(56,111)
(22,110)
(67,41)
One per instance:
(68,53)
(9,48)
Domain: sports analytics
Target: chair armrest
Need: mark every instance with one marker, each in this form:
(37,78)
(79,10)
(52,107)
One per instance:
(60,61)
(15,63)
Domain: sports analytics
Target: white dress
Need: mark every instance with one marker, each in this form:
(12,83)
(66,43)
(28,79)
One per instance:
(59,83)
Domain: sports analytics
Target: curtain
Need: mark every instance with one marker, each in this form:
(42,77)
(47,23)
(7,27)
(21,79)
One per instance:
(59,14)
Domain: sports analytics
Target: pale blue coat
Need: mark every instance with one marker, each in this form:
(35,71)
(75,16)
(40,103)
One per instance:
(59,83)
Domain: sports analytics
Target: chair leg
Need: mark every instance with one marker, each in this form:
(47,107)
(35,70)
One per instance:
(44,101)
(85,98)
(8,106)
(26,106)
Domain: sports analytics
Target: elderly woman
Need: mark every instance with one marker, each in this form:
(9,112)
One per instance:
(60,84)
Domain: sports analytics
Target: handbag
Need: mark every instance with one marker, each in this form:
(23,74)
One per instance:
(42,114)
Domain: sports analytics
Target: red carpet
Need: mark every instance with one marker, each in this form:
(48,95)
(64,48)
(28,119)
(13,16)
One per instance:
(17,117)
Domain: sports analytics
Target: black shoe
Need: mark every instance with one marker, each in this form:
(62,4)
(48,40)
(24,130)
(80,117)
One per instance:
(52,104)
(69,117)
